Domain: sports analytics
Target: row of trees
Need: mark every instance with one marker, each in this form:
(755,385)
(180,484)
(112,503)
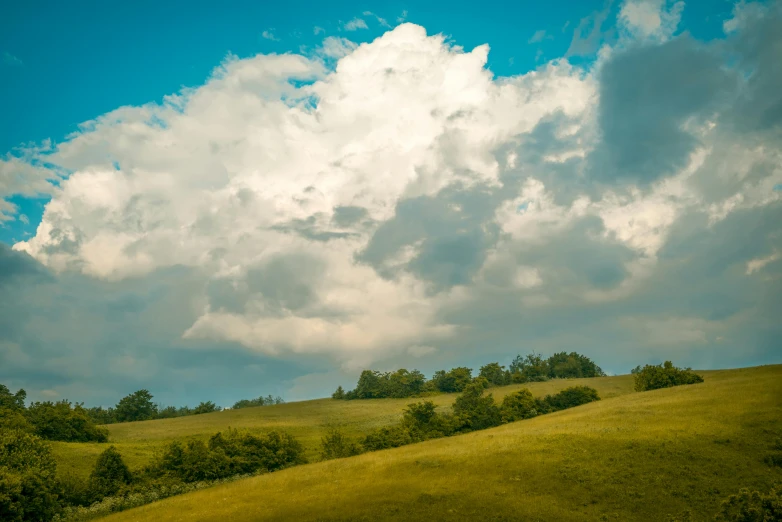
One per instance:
(471,411)
(530,368)
(260,401)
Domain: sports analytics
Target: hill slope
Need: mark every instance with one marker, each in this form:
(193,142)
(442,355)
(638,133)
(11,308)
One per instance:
(637,456)
(306,420)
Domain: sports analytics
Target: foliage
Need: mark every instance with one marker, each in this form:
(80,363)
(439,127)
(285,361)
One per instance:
(453,381)
(752,506)
(572,365)
(226,455)
(110,474)
(12,401)
(101,415)
(530,368)
(377,385)
(28,485)
(339,394)
(260,401)
(423,422)
(387,437)
(653,377)
(495,374)
(472,411)
(64,422)
(518,405)
(137,406)
(336,445)
(570,398)
(14,419)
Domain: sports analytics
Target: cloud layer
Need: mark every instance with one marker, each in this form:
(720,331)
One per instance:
(401,206)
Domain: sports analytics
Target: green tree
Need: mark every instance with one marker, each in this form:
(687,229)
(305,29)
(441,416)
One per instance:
(453,381)
(337,445)
(12,401)
(206,407)
(14,419)
(530,368)
(403,383)
(137,406)
(473,411)
(64,422)
(518,405)
(571,397)
(653,377)
(28,478)
(495,374)
(339,394)
(109,475)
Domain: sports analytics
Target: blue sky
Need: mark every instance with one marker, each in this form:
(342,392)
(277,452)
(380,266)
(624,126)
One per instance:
(534,198)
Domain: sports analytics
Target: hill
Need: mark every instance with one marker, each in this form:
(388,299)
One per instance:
(635,456)
(306,420)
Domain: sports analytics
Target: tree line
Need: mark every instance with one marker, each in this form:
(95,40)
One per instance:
(529,368)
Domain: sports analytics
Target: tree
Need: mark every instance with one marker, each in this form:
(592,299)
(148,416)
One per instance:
(371,385)
(519,405)
(339,394)
(571,397)
(12,401)
(28,478)
(473,411)
(206,407)
(137,406)
(653,377)
(64,422)
(530,368)
(403,383)
(572,365)
(109,475)
(453,381)
(14,419)
(495,374)
(337,445)
(752,506)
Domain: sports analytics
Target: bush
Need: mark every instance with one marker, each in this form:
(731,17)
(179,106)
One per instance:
(653,377)
(571,397)
(423,422)
(14,419)
(531,368)
(339,394)
(752,506)
(28,483)
(572,365)
(519,405)
(336,445)
(389,437)
(226,455)
(472,411)
(109,475)
(260,401)
(11,401)
(63,422)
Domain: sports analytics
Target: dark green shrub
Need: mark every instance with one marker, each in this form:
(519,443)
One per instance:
(472,411)
(389,437)
(206,407)
(63,422)
(109,475)
(495,374)
(572,365)
(28,484)
(14,419)
(423,422)
(519,405)
(571,397)
(453,381)
(339,394)
(752,506)
(530,368)
(653,377)
(137,406)
(260,401)
(12,401)
(337,445)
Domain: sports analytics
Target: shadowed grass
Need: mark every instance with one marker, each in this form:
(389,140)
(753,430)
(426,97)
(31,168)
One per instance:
(638,456)
(306,420)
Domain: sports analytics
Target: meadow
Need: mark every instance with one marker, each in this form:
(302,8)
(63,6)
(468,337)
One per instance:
(631,456)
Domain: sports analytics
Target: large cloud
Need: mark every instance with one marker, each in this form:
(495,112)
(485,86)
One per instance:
(404,203)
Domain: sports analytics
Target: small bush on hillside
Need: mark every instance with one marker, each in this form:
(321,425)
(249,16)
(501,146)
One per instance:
(110,474)
(339,394)
(572,365)
(571,397)
(653,377)
(64,422)
(752,506)
(388,437)
(423,422)
(519,405)
(337,445)
(472,411)
(225,455)
(28,483)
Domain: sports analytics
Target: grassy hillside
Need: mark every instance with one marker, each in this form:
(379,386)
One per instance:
(307,420)
(636,456)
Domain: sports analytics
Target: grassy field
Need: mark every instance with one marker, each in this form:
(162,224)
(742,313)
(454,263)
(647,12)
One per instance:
(306,420)
(631,456)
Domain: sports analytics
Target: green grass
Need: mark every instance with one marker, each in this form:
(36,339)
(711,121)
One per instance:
(306,420)
(635,456)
